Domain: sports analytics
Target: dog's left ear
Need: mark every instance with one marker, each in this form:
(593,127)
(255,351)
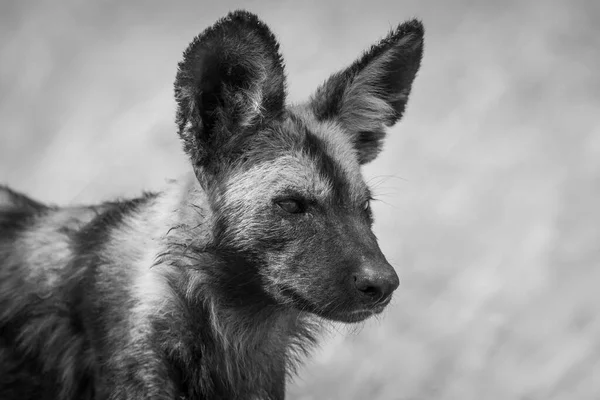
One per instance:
(372,93)
(231,80)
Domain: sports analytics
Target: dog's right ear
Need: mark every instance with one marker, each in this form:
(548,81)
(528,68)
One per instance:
(231,80)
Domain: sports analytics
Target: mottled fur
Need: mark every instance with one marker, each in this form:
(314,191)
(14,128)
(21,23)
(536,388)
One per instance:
(213,288)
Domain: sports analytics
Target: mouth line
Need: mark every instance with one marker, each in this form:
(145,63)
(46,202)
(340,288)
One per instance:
(375,309)
(307,306)
(364,311)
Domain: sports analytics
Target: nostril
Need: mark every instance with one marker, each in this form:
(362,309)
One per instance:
(371,291)
(368,288)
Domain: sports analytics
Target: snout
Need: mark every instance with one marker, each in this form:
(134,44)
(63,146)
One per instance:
(375,283)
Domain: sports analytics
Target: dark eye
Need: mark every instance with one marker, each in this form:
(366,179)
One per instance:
(367,205)
(291,206)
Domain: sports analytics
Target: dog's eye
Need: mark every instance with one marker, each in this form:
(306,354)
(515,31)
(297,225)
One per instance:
(367,205)
(291,206)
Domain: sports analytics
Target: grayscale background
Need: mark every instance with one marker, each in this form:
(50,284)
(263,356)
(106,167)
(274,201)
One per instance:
(489,187)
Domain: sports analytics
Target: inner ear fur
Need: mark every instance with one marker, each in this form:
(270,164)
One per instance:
(372,93)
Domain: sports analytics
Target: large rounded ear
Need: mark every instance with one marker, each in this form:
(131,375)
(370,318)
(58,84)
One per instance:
(372,93)
(230,81)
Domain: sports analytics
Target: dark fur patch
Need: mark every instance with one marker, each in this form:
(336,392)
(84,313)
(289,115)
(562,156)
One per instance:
(14,221)
(329,167)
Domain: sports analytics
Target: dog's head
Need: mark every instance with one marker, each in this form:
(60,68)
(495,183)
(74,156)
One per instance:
(284,181)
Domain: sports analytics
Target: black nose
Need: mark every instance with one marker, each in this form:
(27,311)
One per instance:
(376,283)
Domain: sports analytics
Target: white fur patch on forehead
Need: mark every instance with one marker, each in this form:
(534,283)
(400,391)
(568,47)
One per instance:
(295,171)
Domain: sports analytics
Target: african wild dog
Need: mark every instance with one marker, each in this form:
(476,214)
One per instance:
(214,287)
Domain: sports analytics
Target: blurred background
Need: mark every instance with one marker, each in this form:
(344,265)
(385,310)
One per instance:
(487,187)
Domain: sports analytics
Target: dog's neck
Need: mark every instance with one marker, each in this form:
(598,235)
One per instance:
(189,276)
